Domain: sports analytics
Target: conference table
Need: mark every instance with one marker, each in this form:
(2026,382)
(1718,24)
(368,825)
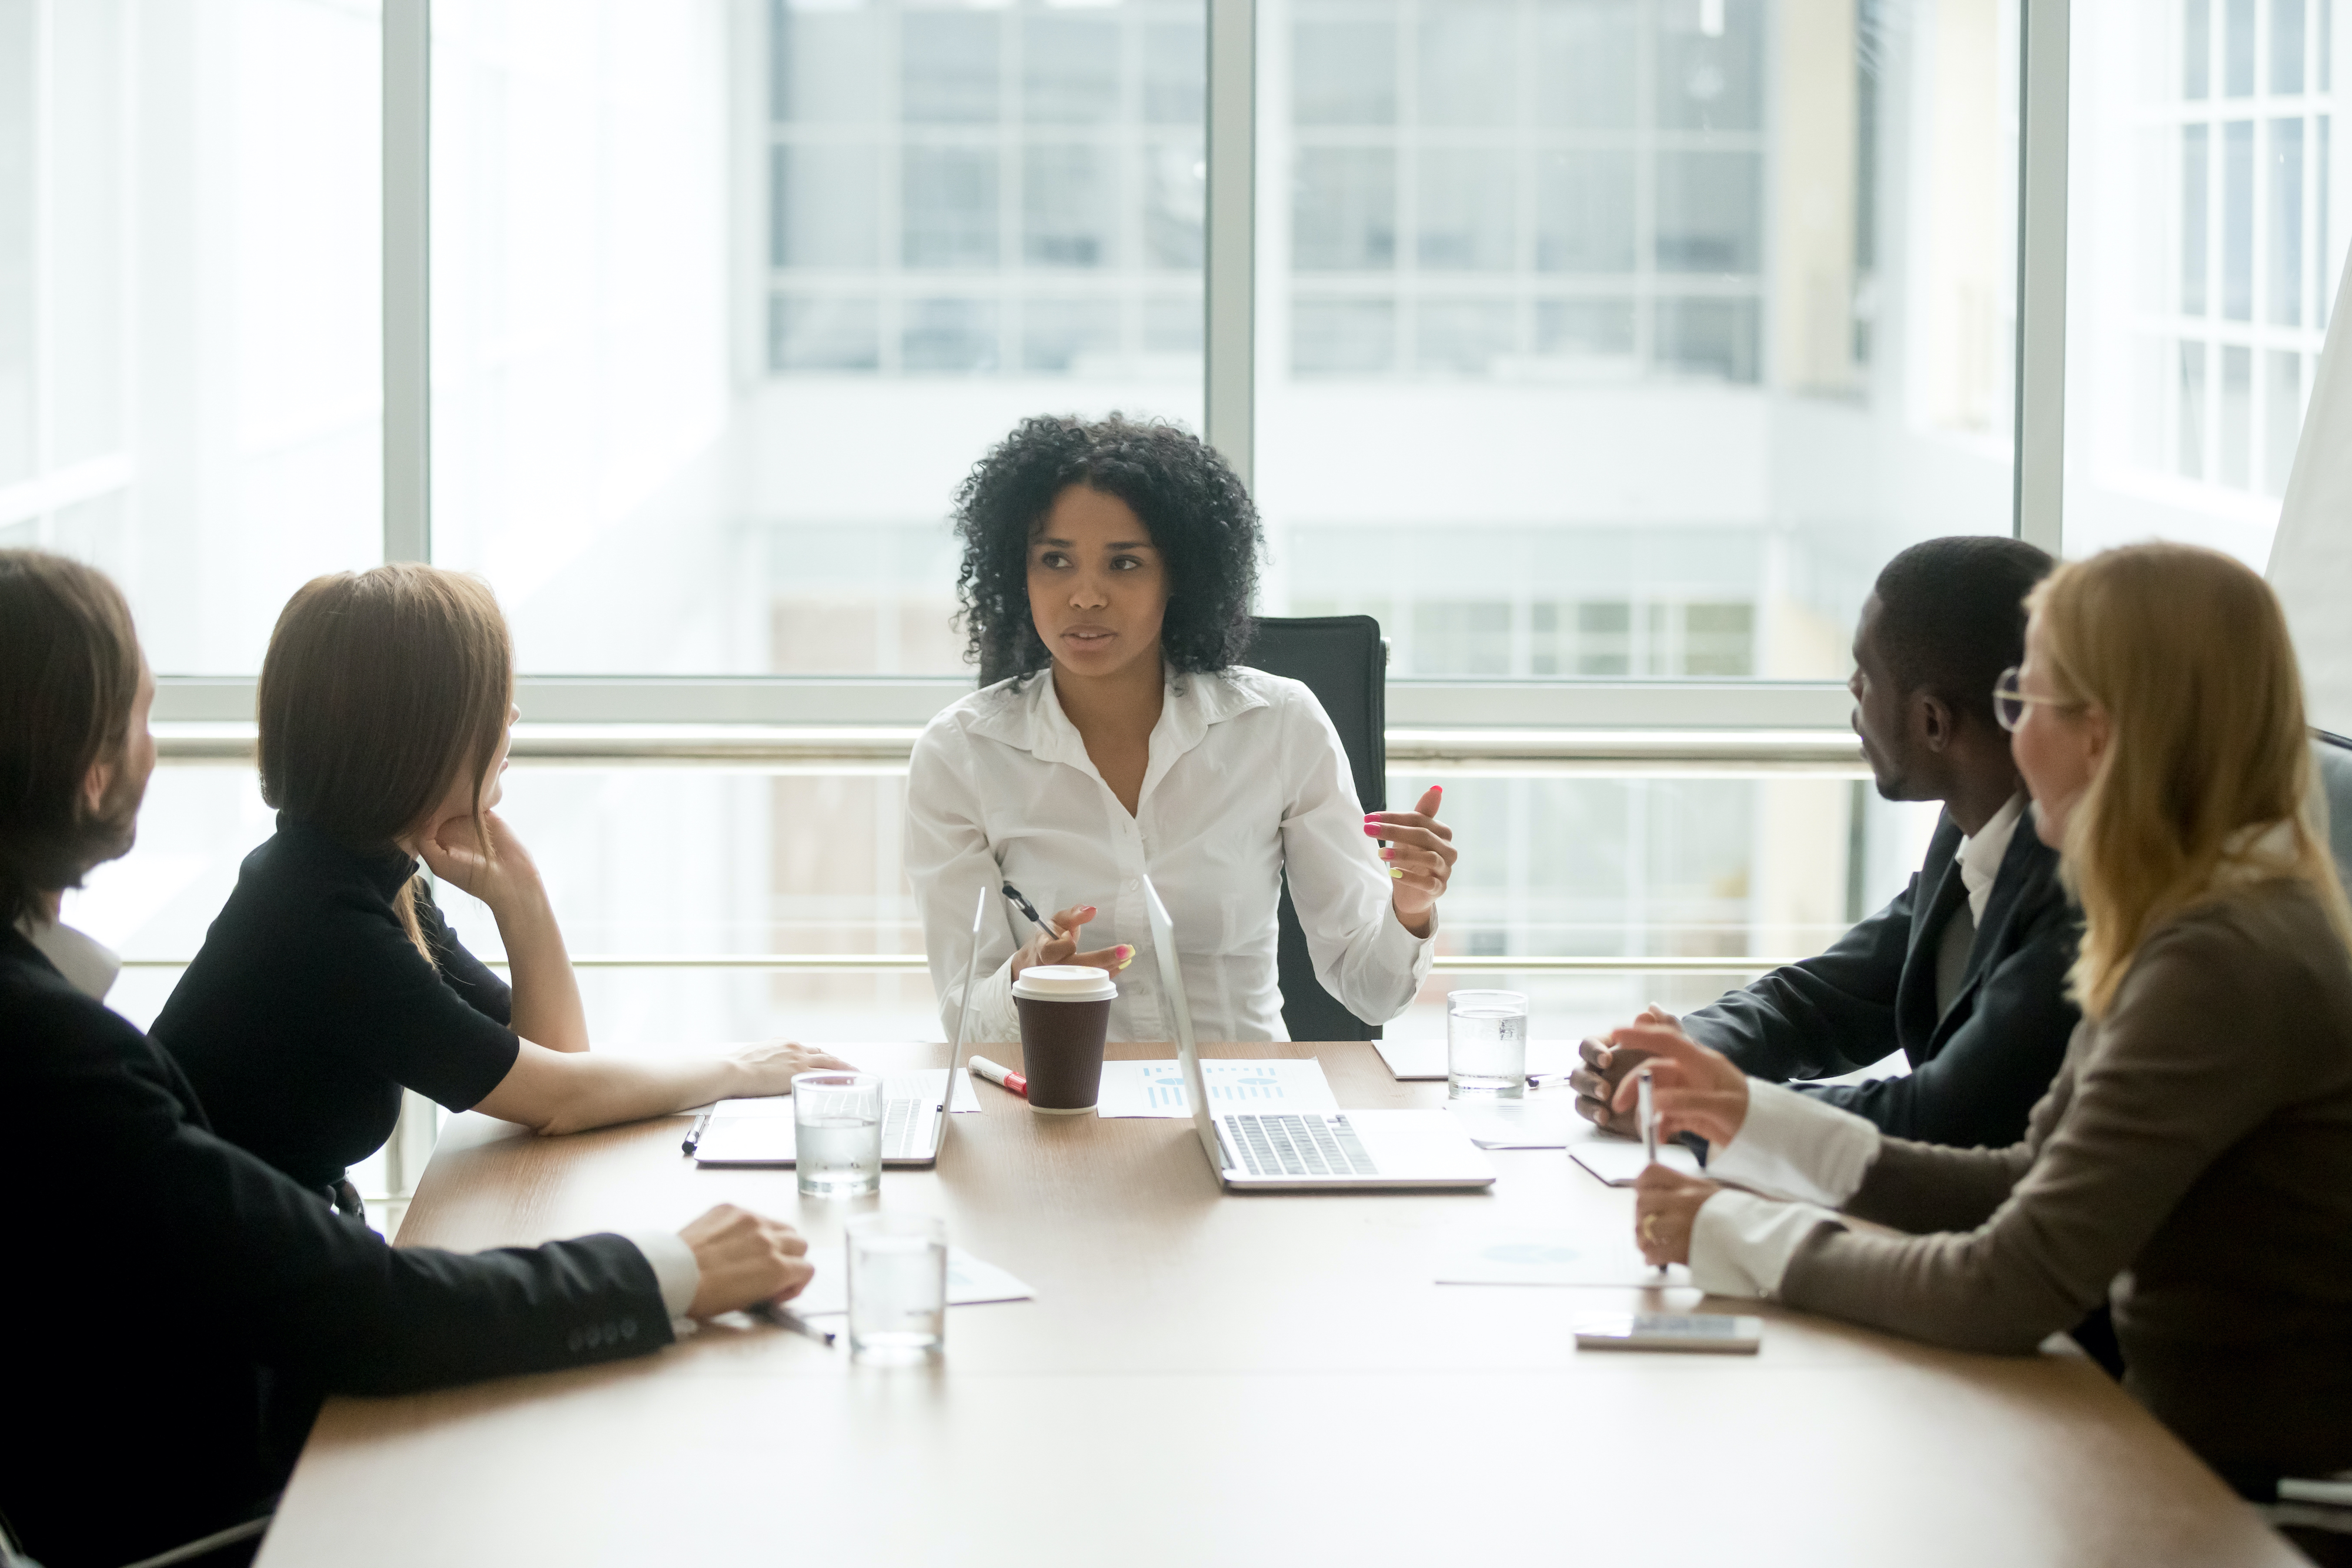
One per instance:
(1209,1378)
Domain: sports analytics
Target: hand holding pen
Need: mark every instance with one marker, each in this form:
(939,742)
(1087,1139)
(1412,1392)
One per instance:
(1647,1113)
(1057,943)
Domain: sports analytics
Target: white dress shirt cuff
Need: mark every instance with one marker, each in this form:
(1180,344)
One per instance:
(1796,1146)
(1400,949)
(672,1261)
(993,1019)
(1740,1243)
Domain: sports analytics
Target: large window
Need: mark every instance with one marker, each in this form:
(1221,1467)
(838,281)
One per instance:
(726,301)
(1626,337)
(2208,240)
(190,368)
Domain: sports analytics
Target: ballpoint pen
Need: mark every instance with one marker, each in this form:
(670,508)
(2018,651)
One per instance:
(1030,910)
(784,1317)
(1648,1113)
(694,1134)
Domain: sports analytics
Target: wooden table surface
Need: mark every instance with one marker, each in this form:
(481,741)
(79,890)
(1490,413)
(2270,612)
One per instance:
(1210,1379)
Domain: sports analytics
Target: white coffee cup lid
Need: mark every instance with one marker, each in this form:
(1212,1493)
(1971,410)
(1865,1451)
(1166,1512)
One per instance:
(1063,983)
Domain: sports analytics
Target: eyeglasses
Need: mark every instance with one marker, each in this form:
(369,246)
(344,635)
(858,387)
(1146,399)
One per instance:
(2009,700)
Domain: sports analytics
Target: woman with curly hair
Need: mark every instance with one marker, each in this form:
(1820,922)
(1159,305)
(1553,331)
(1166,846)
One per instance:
(1108,573)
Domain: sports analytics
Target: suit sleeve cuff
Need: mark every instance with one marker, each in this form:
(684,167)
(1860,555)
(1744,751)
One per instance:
(1796,1146)
(1741,1244)
(672,1261)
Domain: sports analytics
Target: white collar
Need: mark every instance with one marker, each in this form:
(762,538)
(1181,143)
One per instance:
(88,965)
(1027,712)
(2257,850)
(1981,854)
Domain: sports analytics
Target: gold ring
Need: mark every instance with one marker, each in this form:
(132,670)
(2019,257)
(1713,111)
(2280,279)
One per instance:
(1649,1228)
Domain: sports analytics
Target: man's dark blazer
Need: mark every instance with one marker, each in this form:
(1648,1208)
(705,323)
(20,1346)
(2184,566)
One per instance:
(172,1308)
(1977,1071)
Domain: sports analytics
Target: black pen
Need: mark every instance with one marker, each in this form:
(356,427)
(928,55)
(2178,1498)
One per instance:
(784,1317)
(694,1134)
(1030,910)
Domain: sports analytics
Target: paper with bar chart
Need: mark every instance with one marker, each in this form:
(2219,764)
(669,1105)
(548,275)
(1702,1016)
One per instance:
(1157,1088)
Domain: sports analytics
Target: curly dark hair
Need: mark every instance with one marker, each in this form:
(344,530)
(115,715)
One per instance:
(1199,512)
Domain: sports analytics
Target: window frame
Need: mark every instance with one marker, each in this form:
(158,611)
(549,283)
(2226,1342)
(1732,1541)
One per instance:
(1534,723)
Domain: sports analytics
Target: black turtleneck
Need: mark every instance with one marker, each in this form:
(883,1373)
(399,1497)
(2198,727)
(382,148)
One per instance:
(307,1008)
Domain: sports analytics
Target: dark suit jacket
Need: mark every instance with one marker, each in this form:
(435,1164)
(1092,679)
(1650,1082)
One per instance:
(172,1308)
(1975,1071)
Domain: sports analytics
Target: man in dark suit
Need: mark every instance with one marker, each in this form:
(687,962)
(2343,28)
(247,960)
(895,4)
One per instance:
(173,1309)
(1965,972)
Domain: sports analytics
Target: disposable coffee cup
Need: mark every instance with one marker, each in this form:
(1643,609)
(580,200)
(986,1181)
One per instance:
(1065,1010)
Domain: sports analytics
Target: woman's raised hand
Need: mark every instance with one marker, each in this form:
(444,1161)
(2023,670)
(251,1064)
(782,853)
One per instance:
(498,872)
(1693,1089)
(1419,856)
(1042,948)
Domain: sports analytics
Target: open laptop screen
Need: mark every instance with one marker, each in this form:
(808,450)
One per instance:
(1172,987)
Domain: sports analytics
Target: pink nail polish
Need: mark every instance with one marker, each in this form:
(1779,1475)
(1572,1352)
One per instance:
(1371,830)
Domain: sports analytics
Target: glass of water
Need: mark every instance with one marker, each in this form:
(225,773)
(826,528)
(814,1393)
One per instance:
(1485,1045)
(897,1288)
(838,1134)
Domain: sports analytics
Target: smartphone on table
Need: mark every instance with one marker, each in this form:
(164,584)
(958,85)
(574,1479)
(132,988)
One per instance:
(1712,1332)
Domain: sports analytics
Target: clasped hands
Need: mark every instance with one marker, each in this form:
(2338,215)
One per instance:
(1693,1090)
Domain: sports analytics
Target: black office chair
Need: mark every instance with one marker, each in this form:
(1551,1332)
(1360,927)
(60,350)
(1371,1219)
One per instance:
(1340,659)
(2333,756)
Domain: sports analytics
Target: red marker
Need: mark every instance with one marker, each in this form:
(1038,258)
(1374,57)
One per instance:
(1002,1077)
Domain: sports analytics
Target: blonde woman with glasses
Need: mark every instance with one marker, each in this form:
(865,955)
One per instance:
(2192,1163)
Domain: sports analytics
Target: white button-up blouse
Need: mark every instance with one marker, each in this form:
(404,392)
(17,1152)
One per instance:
(1246,776)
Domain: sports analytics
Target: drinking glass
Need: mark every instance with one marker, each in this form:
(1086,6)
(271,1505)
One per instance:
(1485,1045)
(838,1134)
(897,1288)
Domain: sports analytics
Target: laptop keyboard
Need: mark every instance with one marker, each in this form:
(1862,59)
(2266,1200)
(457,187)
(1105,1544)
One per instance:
(1301,1146)
(899,1121)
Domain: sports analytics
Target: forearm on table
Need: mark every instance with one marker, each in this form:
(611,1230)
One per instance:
(555,1091)
(546,1004)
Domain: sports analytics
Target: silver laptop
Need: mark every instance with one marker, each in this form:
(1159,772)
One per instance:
(915,1104)
(1294,1151)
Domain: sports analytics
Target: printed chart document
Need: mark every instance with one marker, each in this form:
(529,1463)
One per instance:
(1538,1258)
(970,1282)
(1157,1088)
(1423,1061)
(1618,1161)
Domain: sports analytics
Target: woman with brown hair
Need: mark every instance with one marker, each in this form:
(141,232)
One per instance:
(2192,1163)
(330,981)
(176,1308)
